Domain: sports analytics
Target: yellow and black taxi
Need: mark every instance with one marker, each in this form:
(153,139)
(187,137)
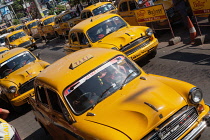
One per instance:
(18,69)
(97,8)
(65,21)
(99,93)
(3,31)
(29,25)
(3,49)
(111,31)
(45,26)
(11,28)
(19,38)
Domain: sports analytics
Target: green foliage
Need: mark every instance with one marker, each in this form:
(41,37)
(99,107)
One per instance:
(20,15)
(15,21)
(59,9)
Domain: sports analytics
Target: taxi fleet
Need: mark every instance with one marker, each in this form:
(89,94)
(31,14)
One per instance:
(111,31)
(102,94)
(18,68)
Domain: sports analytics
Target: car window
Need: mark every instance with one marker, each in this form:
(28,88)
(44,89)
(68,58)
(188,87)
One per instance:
(67,17)
(41,95)
(48,21)
(89,14)
(123,7)
(54,100)
(82,38)
(104,28)
(2,39)
(15,63)
(56,20)
(103,9)
(19,27)
(133,5)
(16,36)
(83,16)
(32,24)
(100,83)
(73,38)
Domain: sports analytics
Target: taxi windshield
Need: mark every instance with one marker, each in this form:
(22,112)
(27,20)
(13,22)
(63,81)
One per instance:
(103,9)
(15,63)
(68,16)
(104,28)
(48,21)
(19,27)
(16,36)
(32,24)
(2,40)
(100,83)
(10,29)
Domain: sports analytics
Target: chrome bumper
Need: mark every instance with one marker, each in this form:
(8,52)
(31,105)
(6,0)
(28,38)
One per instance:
(201,126)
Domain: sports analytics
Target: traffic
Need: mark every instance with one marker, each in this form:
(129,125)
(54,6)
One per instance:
(98,90)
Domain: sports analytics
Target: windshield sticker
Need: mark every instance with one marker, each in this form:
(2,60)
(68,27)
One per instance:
(5,62)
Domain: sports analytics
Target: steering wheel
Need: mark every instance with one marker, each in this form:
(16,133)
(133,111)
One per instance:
(7,70)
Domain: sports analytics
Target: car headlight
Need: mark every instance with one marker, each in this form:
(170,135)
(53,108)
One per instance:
(195,95)
(12,89)
(149,32)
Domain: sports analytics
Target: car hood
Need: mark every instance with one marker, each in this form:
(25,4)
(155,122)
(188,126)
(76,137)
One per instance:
(132,110)
(122,37)
(23,74)
(20,40)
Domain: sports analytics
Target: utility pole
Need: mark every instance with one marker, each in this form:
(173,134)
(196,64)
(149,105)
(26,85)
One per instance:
(39,8)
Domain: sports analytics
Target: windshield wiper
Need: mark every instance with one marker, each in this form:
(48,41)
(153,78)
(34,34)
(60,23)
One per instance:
(102,95)
(123,83)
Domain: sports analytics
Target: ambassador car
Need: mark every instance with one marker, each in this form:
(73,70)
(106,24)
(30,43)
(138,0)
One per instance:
(19,38)
(101,94)
(18,69)
(111,31)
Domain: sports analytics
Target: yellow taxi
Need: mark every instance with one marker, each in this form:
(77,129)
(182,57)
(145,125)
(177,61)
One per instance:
(97,8)
(126,9)
(10,29)
(111,31)
(3,49)
(99,93)
(65,21)
(3,31)
(18,69)
(29,25)
(45,26)
(20,39)
(18,27)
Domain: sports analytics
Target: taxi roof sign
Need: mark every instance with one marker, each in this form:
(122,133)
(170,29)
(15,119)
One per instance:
(80,61)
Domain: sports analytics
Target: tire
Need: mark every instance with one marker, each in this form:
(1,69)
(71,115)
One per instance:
(152,54)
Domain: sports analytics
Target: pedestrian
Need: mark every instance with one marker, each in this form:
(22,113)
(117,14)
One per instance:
(180,6)
(4,113)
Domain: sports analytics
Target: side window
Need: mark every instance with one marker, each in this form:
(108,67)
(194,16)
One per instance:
(82,39)
(41,95)
(83,16)
(89,14)
(123,7)
(132,5)
(6,41)
(56,20)
(73,39)
(54,100)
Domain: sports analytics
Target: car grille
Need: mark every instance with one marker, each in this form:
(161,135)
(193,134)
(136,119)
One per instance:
(128,49)
(27,43)
(175,126)
(26,86)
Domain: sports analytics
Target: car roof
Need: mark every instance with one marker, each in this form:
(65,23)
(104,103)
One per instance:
(3,48)
(66,12)
(31,21)
(14,32)
(93,6)
(92,21)
(62,73)
(5,56)
(44,18)
(3,35)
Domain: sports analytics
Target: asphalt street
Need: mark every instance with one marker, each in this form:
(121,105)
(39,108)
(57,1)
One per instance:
(181,61)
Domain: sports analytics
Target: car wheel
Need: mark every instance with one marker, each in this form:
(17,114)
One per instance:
(153,54)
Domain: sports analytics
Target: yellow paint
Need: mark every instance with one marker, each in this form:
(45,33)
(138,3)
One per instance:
(200,7)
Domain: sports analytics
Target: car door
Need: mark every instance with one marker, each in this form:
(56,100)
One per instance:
(42,109)
(127,14)
(83,41)
(63,128)
(74,42)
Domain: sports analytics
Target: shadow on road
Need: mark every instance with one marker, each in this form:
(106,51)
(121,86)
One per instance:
(38,135)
